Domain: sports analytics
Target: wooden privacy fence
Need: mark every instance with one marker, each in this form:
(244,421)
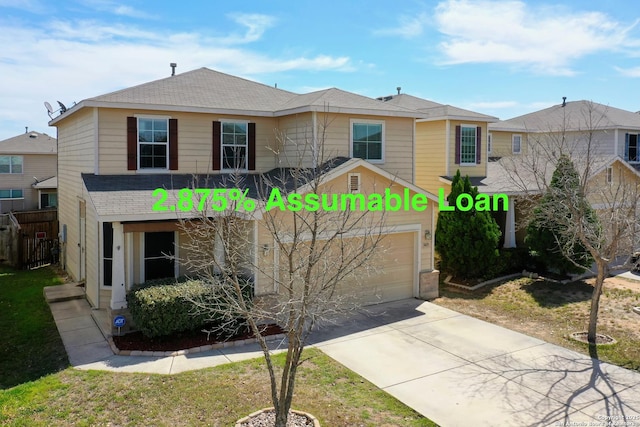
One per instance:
(37,238)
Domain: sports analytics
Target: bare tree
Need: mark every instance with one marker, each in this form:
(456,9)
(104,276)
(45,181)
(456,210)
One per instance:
(578,142)
(312,261)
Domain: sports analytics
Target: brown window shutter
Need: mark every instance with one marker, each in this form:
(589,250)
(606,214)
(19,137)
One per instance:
(478,144)
(132,143)
(217,131)
(458,132)
(251,149)
(173,144)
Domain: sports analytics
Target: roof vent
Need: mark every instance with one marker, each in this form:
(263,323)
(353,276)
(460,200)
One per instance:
(33,135)
(398,89)
(173,66)
(564,101)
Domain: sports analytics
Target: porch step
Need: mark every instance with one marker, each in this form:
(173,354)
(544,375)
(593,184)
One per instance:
(66,292)
(101,317)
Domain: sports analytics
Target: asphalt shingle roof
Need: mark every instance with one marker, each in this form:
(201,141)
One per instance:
(29,143)
(433,109)
(574,116)
(206,90)
(124,195)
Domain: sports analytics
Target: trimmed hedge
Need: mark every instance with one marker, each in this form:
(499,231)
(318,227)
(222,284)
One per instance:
(166,307)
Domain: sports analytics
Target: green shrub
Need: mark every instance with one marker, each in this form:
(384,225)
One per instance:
(161,308)
(467,242)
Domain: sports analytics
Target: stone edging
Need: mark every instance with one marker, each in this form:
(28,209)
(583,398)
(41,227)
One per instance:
(481,284)
(310,417)
(216,346)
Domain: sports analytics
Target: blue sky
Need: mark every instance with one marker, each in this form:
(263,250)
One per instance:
(503,58)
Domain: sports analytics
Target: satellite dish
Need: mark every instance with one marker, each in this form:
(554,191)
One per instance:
(62,107)
(49,109)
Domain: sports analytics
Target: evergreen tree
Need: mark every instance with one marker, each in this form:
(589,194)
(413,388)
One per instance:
(546,236)
(467,242)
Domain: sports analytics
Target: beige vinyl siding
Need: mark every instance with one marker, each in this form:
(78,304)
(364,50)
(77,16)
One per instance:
(75,156)
(40,166)
(398,141)
(503,143)
(397,246)
(431,161)
(195,140)
(624,184)
(93,261)
(298,133)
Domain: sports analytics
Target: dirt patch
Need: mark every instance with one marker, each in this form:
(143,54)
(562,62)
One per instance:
(552,311)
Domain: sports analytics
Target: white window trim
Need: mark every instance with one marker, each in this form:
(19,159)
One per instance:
(150,170)
(246,160)
(475,148)
(513,140)
(10,165)
(489,143)
(368,121)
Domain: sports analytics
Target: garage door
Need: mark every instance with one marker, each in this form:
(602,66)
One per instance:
(391,279)
(394,276)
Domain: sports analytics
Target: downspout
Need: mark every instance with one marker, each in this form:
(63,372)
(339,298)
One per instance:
(447,135)
(314,130)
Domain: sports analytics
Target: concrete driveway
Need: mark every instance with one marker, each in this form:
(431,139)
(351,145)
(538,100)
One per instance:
(460,371)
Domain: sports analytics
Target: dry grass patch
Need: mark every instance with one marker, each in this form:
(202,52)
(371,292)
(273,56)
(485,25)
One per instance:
(551,311)
(212,397)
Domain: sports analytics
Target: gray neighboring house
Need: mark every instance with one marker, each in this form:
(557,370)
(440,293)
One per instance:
(28,164)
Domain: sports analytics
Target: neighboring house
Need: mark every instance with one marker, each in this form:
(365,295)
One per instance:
(115,149)
(448,138)
(27,160)
(608,134)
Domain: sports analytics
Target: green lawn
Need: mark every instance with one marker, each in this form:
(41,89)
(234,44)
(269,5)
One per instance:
(37,390)
(32,346)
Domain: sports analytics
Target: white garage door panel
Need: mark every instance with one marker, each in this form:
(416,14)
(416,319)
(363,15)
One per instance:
(395,274)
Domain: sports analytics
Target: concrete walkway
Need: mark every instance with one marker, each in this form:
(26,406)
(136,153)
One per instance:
(454,369)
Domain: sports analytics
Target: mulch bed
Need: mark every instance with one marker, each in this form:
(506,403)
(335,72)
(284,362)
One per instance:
(181,340)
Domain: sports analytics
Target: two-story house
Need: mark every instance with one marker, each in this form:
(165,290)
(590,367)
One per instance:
(116,149)
(604,137)
(27,172)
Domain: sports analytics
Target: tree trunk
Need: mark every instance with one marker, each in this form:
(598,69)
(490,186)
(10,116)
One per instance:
(595,300)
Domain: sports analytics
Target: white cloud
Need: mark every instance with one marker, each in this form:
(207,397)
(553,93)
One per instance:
(408,27)
(629,72)
(548,39)
(117,9)
(256,26)
(73,60)
(33,6)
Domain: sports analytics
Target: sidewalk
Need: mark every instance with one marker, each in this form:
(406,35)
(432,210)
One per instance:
(452,368)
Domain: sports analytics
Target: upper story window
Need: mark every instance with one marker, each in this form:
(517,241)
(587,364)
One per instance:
(516,144)
(234,145)
(468,145)
(153,142)
(10,164)
(631,152)
(11,194)
(367,140)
